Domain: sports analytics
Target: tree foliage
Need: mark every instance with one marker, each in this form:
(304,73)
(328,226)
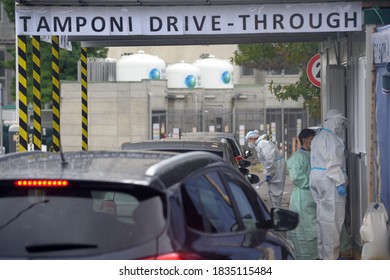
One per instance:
(9,6)
(275,56)
(278,56)
(302,88)
(68,62)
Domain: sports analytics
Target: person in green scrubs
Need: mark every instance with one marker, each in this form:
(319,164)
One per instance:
(304,236)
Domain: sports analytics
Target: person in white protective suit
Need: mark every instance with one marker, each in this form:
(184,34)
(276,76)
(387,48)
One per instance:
(328,183)
(304,236)
(274,164)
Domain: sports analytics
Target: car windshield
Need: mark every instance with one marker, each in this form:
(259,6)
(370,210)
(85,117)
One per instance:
(75,221)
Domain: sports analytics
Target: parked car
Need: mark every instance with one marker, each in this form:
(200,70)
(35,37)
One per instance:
(134,205)
(220,147)
(230,137)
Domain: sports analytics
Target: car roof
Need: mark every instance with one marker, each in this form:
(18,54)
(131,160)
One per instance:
(208,136)
(177,145)
(215,136)
(138,167)
(208,133)
(221,147)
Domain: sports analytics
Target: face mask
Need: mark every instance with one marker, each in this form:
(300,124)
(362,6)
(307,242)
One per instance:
(251,145)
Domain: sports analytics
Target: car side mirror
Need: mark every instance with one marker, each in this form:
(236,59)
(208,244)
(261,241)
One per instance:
(252,178)
(247,153)
(243,171)
(244,163)
(284,219)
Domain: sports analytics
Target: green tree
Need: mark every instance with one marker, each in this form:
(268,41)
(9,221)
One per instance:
(68,67)
(68,62)
(278,56)
(302,88)
(9,6)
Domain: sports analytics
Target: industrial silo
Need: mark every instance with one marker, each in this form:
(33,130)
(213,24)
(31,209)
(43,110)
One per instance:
(136,67)
(216,73)
(183,75)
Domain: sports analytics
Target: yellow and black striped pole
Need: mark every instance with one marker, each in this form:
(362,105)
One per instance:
(84,99)
(269,132)
(22,91)
(36,54)
(55,65)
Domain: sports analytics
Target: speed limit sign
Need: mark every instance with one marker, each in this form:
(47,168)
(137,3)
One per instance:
(314,70)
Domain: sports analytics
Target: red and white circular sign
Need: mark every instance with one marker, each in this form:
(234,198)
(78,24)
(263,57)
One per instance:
(314,70)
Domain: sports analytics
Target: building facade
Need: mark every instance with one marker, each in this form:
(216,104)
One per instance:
(7,41)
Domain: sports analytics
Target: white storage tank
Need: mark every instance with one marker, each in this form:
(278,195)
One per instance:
(216,73)
(136,67)
(183,75)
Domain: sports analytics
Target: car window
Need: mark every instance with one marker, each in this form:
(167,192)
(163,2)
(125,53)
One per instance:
(236,150)
(120,204)
(230,156)
(247,213)
(77,221)
(208,205)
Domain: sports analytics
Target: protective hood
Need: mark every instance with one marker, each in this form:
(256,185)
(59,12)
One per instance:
(333,113)
(252,134)
(335,121)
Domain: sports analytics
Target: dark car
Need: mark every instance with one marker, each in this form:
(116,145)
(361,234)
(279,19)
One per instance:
(230,137)
(220,147)
(134,205)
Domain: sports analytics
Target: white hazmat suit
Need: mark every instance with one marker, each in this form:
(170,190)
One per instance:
(274,166)
(328,181)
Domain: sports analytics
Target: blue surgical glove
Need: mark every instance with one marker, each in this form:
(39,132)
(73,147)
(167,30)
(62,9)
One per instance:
(342,190)
(268,178)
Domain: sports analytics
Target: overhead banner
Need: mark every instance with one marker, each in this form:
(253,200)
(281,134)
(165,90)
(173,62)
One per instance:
(189,20)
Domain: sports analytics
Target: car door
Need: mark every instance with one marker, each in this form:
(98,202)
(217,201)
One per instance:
(255,219)
(216,229)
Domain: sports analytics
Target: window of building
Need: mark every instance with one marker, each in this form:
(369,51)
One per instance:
(275,72)
(291,71)
(287,71)
(1,12)
(2,85)
(2,59)
(246,71)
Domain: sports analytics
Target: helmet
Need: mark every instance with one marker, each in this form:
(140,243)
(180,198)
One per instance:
(333,113)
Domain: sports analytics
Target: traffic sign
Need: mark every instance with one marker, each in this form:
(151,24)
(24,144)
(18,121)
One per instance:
(314,70)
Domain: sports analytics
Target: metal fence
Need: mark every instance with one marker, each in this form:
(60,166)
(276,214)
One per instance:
(241,121)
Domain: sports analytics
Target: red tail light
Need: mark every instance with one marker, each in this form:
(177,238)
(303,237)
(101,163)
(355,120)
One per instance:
(41,183)
(176,256)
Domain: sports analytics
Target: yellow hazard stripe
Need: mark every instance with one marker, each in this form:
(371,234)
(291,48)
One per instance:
(22,93)
(84,99)
(55,92)
(37,103)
